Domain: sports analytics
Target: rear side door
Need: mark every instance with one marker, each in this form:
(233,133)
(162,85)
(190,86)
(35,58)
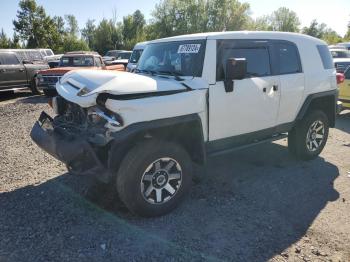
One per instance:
(12,71)
(286,63)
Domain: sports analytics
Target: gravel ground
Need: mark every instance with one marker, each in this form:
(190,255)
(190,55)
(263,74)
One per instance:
(254,205)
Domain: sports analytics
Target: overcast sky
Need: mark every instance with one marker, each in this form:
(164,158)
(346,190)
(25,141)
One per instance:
(335,14)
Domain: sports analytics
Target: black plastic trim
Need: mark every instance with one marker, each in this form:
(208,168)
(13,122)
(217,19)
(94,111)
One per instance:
(102,98)
(228,144)
(311,97)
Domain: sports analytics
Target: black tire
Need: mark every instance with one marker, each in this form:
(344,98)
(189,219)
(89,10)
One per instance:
(131,174)
(298,137)
(34,88)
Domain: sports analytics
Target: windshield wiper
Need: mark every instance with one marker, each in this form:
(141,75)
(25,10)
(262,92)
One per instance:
(172,73)
(150,72)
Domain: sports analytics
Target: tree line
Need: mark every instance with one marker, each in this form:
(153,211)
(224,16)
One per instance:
(33,28)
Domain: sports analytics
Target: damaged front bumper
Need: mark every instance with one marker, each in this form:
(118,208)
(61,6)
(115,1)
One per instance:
(74,151)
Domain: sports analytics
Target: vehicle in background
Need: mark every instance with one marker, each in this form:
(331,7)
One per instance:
(31,55)
(191,97)
(18,74)
(122,59)
(135,56)
(47,79)
(336,47)
(341,59)
(344,91)
(49,56)
(344,45)
(111,55)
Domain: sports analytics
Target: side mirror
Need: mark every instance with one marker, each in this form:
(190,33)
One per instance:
(26,62)
(236,69)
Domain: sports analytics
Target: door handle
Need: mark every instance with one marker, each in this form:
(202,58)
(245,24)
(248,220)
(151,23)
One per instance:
(2,70)
(264,89)
(21,70)
(275,87)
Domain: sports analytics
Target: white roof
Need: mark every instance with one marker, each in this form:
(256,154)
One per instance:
(243,35)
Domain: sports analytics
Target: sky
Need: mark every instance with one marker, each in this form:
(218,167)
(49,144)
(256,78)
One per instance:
(335,14)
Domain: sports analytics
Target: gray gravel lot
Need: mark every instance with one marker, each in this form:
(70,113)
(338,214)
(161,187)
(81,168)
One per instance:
(254,205)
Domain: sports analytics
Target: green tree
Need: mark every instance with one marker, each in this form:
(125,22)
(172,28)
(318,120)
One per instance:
(107,36)
(72,25)
(133,29)
(5,42)
(71,43)
(174,17)
(260,24)
(347,35)
(315,29)
(34,27)
(88,33)
(284,20)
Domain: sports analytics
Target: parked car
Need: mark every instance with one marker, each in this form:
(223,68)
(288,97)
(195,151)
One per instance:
(47,79)
(16,74)
(121,59)
(111,55)
(344,90)
(191,97)
(28,55)
(49,56)
(341,58)
(344,45)
(135,56)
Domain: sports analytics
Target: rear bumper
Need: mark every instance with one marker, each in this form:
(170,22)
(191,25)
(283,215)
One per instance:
(75,152)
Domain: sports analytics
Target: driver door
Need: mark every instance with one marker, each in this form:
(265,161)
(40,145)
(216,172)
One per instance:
(251,109)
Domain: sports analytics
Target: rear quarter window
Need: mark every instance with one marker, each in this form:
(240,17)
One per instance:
(326,56)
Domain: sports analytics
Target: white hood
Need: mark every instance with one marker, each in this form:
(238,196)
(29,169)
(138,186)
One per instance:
(116,83)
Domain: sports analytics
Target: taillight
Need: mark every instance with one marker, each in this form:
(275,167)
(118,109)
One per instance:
(340,78)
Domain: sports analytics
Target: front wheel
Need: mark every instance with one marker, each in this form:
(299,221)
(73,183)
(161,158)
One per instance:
(307,140)
(34,87)
(154,177)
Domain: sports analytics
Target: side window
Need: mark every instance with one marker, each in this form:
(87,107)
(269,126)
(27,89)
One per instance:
(9,59)
(326,57)
(288,59)
(257,57)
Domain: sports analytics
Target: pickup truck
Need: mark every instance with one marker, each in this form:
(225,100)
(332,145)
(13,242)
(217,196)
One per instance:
(18,74)
(47,79)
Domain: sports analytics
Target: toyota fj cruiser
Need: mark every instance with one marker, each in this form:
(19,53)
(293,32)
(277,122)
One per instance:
(190,97)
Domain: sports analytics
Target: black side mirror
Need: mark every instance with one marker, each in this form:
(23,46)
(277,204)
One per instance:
(236,69)
(26,62)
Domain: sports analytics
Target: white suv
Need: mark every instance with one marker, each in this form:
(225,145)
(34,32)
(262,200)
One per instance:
(190,97)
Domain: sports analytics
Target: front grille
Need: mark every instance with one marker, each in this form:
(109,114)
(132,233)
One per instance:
(51,79)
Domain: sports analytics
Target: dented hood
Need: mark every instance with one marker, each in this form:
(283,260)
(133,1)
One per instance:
(83,86)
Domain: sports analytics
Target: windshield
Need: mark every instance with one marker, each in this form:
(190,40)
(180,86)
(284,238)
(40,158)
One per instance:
(183,58)
(123,56)
(77,61)
(340,54)
(135,56)
(112,53)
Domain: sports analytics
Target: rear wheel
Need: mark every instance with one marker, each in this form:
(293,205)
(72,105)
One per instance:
(154,177)
(307,140)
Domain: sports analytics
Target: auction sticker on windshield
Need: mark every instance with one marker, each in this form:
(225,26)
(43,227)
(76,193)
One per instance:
(189,49)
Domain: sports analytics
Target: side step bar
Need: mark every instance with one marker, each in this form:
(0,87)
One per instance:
(236,148)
